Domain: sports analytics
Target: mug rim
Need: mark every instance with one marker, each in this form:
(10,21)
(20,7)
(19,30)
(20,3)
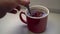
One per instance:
(47,10)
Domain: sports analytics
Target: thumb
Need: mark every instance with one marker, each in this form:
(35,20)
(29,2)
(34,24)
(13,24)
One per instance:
(24,2)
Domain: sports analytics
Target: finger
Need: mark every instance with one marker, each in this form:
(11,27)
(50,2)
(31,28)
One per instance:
(18,8)
(27,1)
(3,12)
(13,11)
(24,2)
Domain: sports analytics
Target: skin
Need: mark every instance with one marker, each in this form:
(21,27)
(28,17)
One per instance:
(7,5)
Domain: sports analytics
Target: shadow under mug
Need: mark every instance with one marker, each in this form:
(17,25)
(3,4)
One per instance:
(35,24)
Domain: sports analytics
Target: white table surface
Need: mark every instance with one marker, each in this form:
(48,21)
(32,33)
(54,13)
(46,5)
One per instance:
(11,24)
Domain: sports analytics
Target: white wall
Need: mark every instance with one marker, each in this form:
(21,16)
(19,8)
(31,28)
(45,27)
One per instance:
(54,4)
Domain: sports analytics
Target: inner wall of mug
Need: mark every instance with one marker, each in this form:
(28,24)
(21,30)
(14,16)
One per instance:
(38,7)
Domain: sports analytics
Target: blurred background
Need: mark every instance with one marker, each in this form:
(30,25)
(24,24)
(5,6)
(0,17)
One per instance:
(53,5)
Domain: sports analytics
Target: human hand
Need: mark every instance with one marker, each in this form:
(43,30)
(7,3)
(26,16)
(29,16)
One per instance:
(8,5)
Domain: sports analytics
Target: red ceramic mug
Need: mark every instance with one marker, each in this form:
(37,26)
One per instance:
(36,24)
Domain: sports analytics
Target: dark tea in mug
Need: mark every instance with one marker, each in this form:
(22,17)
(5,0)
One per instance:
(37,12)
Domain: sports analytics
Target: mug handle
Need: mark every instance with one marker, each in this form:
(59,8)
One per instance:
(22,18)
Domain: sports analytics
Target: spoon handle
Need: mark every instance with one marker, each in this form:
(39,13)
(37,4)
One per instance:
(28,9)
